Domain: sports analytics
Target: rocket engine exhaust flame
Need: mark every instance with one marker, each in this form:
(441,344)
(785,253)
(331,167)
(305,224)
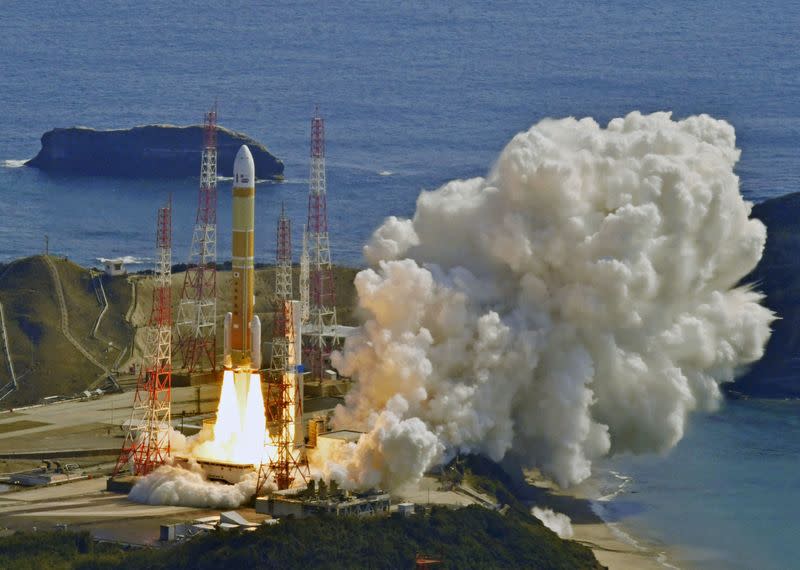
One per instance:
(238,433)
(582,299)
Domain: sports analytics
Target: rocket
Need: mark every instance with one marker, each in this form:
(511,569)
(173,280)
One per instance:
(242,330)
(240,426)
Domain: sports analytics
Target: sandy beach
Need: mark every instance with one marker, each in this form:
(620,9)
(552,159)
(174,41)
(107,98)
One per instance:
(612,546)
(614,552)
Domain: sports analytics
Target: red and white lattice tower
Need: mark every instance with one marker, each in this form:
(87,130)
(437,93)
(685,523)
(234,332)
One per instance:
(147,444)
(283,259)
(284,461)
(305,306)
(320,334)
(197,312)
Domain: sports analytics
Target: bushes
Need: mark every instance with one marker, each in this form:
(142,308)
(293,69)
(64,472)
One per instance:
(56,550)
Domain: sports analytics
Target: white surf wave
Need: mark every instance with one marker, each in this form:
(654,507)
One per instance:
(624,481)
(14,163)
(598,507)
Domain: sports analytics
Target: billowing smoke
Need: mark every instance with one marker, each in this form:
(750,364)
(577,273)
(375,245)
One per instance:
(559,523)
(237,436)
(580,300)
(189,487)
(169,485)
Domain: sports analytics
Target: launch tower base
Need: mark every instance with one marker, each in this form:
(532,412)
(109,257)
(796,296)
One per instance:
(222,471)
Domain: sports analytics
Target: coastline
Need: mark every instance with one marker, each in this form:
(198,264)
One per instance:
(615,547)
(613,551)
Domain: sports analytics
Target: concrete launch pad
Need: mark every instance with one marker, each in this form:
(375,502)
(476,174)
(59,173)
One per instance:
(222,471)
(86,504)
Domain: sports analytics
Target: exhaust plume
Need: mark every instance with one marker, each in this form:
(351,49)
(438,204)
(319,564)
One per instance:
(169,485)
(580,300)
(559,523)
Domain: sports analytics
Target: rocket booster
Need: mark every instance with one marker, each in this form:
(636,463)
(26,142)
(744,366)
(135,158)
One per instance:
(242,326)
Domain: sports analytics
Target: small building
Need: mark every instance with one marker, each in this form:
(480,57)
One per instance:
(289,503)
(114,267)
(327,441)
(405,509)
(234,518)
(49,475)
(317,412)
(222,471)
(173,531)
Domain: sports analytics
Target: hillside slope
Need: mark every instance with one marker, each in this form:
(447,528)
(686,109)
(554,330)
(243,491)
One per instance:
(49,364)
(45,360)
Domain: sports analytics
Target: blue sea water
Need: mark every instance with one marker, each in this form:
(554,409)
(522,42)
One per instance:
(427,92)
(727,496)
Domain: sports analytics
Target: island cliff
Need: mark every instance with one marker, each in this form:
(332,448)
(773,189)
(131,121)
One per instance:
(150,151)
(777,374)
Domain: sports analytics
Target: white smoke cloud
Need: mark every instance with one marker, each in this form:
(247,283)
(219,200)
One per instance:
(188,486)
(559,523)
(580,300)
(170,485)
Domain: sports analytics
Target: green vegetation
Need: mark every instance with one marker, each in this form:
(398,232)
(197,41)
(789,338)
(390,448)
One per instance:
(489,478)
(473,537)
(55,550)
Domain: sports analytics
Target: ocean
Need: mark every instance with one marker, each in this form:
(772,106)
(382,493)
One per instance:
(726,498)
(414,95)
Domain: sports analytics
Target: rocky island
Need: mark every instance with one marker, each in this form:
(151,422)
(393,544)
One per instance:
(150,151)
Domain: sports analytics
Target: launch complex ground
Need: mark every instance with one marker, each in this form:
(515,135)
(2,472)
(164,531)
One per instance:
(87,433)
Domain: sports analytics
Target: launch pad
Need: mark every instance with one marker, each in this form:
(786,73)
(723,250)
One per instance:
(223,471)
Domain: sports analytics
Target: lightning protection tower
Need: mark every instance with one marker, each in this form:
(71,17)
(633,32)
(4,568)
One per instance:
(282,333)
(283,261)
(321,336)
(305,307)
(197,311)
(283,461)
(146,444)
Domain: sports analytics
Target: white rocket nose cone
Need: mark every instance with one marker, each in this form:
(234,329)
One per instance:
(244,170)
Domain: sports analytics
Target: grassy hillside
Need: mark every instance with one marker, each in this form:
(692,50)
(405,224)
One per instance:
(49,364)
(43,357)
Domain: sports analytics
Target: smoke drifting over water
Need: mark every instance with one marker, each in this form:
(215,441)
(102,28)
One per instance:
(580,300)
